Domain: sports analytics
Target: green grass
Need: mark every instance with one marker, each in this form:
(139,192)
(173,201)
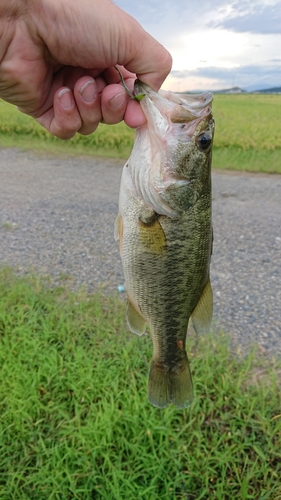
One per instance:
(247,134)
(76,423)
(247,121)
(251,160)
(18,130)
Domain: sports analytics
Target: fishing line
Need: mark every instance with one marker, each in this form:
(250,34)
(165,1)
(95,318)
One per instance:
(173,452)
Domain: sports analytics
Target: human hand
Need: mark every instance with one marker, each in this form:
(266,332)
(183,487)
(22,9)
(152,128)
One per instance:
(57,61)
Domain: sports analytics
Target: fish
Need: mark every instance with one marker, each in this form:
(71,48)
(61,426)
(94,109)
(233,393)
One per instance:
(164,228)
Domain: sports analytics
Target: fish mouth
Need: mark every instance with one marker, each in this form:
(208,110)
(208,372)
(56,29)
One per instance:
(178,108)
(174,123)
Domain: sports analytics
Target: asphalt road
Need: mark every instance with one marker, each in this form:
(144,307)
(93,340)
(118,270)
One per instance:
(57,217)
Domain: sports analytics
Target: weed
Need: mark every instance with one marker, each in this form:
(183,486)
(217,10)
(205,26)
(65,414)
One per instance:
(76,423)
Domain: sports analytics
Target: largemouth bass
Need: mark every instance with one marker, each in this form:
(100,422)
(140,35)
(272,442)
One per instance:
(165,231)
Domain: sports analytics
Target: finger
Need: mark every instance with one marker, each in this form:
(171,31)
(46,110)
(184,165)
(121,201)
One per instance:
(111,75)
(113,108)
(87,99)
(143,55)
(134,116)
(55,116)
(63,119)
(152,70)
(114,101)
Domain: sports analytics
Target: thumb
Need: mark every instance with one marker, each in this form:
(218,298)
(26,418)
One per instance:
(152,62)
(143,55)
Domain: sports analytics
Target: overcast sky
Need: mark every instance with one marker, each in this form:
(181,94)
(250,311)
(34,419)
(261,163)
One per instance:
(215,44)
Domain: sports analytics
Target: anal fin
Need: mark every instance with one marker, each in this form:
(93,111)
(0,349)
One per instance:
(203,312)
(135,321)
(167,386)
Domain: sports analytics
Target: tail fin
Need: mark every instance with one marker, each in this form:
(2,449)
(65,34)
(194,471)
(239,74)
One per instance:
(168,385)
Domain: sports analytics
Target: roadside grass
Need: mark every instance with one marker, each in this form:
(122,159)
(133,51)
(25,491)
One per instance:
(246,138)
(251,160)
(76,423)
(22,131)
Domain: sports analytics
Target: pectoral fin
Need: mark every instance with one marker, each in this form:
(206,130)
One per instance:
(135,321)
(203,312)
(151,232)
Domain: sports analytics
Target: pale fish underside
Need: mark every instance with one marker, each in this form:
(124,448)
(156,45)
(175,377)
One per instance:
(165,232)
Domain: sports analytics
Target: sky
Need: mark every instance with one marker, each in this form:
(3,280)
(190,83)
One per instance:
(215,44)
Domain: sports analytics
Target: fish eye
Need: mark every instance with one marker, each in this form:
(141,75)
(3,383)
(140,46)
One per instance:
(204,140)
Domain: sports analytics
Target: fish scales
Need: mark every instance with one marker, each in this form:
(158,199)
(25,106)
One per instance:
(165,232)
(156,281)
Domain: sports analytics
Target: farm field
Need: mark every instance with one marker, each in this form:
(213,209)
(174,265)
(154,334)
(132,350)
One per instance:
(76,424)
(247,134)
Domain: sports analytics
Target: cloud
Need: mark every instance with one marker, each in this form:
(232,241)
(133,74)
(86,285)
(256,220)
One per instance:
(248,77)
(166,18)
(251,17)
(220,43)
(145,11)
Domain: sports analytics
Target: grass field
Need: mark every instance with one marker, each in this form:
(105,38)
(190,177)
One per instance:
(75,422)
(247,134)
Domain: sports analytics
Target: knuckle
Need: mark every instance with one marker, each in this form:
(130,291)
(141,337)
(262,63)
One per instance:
(63,135)
(66,129)
(87,130)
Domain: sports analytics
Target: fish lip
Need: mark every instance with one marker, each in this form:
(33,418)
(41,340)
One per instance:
(178,108)
(140,87)
(196,101)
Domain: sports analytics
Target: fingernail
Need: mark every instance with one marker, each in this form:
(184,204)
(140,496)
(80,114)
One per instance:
(88,91)
(65,98)
(117,101)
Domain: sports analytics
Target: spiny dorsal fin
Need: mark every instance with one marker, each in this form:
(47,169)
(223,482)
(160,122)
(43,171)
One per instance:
(203,312)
